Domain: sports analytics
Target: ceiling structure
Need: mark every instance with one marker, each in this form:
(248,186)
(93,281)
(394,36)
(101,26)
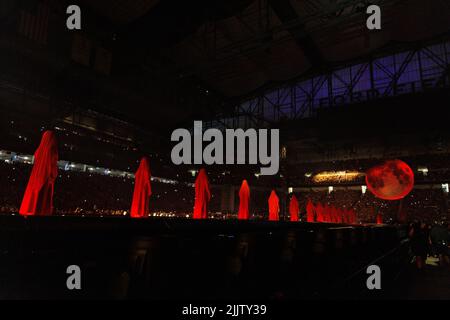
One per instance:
(193,59)
(235,47)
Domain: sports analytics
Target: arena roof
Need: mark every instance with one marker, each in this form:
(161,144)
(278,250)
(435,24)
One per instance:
(234,46)
(185,60)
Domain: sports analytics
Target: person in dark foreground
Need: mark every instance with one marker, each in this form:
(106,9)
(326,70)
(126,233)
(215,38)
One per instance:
(439,236)
(419,243)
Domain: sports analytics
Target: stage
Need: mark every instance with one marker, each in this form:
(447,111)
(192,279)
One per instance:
(158,258)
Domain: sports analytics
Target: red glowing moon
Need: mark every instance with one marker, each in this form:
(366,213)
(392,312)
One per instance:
(392,180)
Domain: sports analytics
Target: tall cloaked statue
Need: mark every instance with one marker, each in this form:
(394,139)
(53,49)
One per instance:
(244,199)
(329,214)
(352,216)
(319,211)
(202,195)
(379,219)
(293,208)
(38,197)
(326,213)
(340,214)
(142,190)
(334,215)
(310,211)
(274,207)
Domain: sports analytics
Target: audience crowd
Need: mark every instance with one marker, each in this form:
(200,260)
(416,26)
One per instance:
(428,205)
(84,193)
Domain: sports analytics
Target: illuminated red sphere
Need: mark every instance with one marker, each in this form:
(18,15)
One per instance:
(392,180)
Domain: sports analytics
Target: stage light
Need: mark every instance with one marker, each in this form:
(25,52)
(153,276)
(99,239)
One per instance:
(337,176)
(283,152)
(330,189)
(290,190)
(423,170)
(193,172)
(445,187)
(363,189)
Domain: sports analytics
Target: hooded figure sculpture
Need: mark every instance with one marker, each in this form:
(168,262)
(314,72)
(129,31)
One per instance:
(293,208)
(142,190)
(202,195)
(244,199)
(319,211)
(274,207)
(353,216)
(38,197)
(332,214)
(379,219)
(310,211)
(339,215)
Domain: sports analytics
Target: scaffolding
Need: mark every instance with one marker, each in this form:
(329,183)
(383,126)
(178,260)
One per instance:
(417,69)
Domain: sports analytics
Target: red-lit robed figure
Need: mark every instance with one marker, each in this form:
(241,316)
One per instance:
(244,199)
(38,197)
(379,218)
(202,195)
(274,207)
(142,190)
(294,208)
(310,209)
(319,211)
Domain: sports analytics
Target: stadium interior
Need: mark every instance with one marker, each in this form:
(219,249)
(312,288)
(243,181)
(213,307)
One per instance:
(343,97)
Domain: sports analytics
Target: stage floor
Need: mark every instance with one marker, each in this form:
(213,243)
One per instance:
(159,258)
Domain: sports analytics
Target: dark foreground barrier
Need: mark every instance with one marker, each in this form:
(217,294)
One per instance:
(180,258)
